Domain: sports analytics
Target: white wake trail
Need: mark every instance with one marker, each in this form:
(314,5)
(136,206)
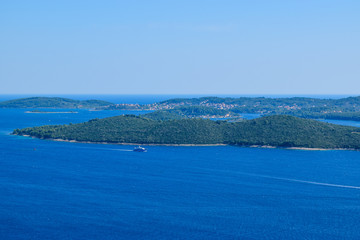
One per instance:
(108,149)
(285,179)
(304,181)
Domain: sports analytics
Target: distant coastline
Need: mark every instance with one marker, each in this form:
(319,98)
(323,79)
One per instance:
(216,107)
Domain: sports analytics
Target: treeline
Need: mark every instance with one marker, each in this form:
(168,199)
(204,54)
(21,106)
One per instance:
(184,112)
(314,108)
(283,131)
(348,103)
(53,102)
(344,108)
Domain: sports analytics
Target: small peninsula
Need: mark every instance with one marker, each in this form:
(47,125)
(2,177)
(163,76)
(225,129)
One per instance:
(277,130)
(53,102)
(50,112)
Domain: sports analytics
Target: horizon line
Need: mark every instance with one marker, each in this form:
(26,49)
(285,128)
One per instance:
(192,94)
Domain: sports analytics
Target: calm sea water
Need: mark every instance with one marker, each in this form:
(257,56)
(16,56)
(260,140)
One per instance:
(58,190)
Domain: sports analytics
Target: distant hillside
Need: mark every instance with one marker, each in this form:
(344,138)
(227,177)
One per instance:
(190,112)
(164,115)
(344,108)
(282,131)
(52,102)
(300,102)
(269,105)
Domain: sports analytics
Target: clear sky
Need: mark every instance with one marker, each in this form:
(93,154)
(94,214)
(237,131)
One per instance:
(180,47)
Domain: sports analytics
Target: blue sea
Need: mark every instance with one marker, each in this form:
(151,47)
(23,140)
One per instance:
(61,190)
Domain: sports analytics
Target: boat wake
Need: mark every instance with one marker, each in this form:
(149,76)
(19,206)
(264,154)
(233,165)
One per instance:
(121,150)
(106,149)
(302,181)
(290,179)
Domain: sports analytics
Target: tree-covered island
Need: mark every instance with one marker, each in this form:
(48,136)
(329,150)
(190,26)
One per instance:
(53,102)
(277,130)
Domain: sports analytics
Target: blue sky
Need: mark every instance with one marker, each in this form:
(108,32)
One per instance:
(180,47)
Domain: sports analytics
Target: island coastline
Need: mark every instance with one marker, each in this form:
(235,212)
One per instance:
(194,145)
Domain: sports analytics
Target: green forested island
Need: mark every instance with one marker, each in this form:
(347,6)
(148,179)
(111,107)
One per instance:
(277,130)
(53,102)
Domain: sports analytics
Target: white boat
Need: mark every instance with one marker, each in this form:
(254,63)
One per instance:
(139,149)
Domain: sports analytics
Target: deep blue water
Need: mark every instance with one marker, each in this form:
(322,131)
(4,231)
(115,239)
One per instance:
(59,190)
